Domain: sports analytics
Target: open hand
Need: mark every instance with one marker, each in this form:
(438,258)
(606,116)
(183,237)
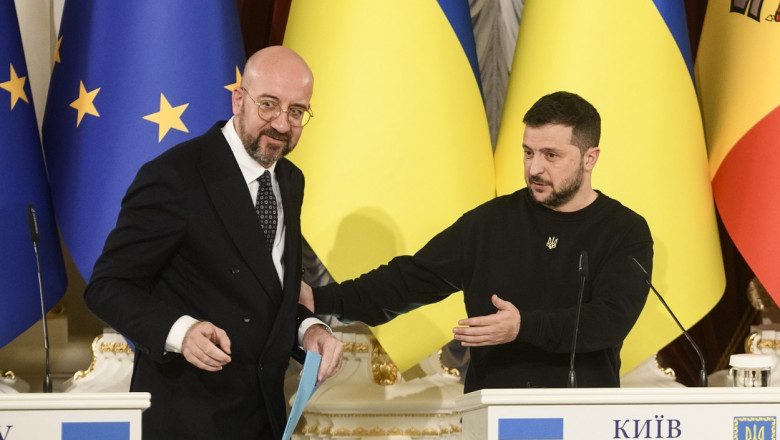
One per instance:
(498,328)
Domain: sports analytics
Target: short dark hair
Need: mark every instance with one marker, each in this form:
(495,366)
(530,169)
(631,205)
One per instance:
(570,110)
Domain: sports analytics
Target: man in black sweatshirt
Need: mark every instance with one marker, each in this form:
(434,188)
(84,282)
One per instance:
(516,260)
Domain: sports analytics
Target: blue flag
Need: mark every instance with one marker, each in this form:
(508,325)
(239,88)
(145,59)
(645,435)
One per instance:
(23,182)
(130,80)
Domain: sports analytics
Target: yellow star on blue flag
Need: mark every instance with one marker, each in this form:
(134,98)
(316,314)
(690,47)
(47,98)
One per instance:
(141,77)
(15,85)
(23,179)
(85,103)
(168,117)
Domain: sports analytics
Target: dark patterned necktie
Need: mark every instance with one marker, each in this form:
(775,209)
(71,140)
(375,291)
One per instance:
(265,207)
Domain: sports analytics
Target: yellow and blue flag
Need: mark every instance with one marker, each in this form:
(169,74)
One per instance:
(23,182)
(737,73)
(399,146)
(130,80)
(633,62)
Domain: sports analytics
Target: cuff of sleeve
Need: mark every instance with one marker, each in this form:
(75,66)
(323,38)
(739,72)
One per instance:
(176,335)
(325,300)
(529,328)
(308,322)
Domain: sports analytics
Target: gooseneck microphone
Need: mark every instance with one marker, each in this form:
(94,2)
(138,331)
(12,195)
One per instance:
(35,237)
(646,277)
(582,269)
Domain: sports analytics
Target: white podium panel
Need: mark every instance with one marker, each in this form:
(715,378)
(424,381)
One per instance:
(627,413)
(72,416)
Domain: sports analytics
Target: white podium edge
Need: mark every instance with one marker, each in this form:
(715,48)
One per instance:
(614,396)
(74,401)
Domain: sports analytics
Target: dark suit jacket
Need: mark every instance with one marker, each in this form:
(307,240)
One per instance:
(187,241)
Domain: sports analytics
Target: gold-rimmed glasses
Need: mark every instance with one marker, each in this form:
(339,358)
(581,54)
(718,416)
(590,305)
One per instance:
(269,109)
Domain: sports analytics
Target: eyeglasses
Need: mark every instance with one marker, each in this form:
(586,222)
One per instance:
(268,110)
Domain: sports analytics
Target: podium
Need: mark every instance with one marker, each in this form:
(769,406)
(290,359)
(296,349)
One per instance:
(72,416)
(621,413)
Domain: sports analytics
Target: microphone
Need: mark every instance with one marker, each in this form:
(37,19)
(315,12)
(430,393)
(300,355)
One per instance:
(35,237)
(32,222)
(582,269)
(646,277)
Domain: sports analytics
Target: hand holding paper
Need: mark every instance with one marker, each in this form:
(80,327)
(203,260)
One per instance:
(306,388)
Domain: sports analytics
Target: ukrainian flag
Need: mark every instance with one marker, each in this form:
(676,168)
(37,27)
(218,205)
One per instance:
(399,147)
(632,61)
(23,182)
(131,79)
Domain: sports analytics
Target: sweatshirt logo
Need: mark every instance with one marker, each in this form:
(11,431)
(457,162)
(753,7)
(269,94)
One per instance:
(552,242)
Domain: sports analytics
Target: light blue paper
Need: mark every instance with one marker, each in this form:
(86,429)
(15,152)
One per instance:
(306,388)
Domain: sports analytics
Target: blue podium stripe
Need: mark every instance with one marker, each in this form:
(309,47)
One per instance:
(96,430)
(530,429)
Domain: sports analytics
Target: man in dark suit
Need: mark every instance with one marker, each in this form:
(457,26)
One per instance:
(204,281)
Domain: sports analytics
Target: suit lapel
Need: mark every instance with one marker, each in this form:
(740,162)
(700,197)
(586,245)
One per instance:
(228,192)
(290,192)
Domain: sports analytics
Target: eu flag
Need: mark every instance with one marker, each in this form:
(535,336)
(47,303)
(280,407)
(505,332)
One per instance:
(23,182)
(130,80)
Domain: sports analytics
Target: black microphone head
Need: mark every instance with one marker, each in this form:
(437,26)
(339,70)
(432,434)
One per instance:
(582,267)
(639,269)
(32,222)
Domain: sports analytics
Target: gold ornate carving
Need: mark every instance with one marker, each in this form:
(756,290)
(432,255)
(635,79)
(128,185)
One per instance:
(383,369)
(355,347)
(376,432)
(115,347)
(342,432)
(754,341)
(396,415)
(447,370)
(757,295)
(431,431)
(7,374)
(311,430)
(360,431)
(665,370)
(103,347)
(83,373)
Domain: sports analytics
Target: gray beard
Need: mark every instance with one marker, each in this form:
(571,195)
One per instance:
(252,147)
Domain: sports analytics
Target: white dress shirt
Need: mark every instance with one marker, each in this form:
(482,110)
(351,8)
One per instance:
(251,170)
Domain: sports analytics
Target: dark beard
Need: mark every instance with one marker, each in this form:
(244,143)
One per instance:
(565,194)
(252,146)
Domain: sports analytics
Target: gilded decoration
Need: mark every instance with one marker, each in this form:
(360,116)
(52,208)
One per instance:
(382,367)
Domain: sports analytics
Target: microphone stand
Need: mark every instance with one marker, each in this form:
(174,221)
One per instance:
(583,270)
(646,277)
(35,237)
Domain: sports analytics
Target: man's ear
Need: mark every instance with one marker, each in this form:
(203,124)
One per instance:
(591,157)
(236,100)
